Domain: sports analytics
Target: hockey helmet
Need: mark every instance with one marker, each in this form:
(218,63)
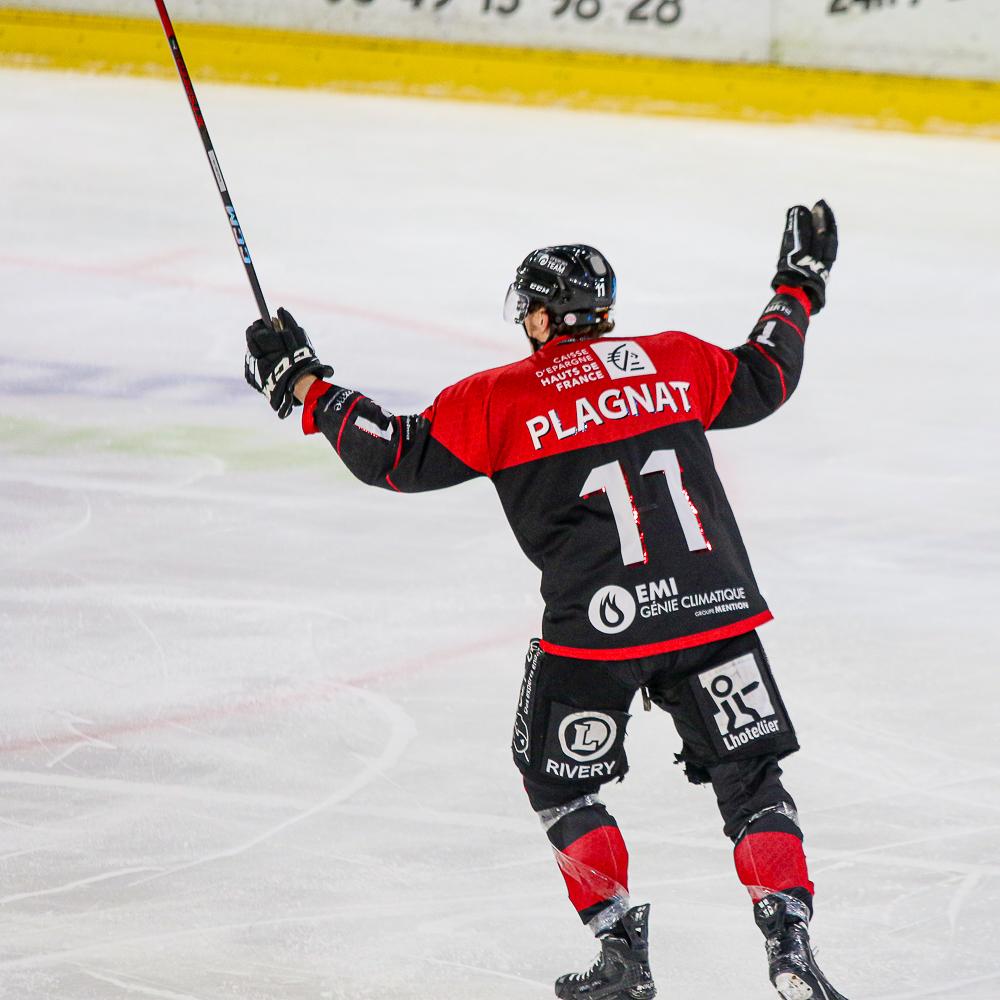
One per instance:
(574,282)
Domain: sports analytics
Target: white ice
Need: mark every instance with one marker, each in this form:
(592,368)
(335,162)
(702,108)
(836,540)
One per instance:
(255,716)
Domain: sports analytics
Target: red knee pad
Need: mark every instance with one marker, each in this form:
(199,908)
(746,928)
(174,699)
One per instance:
(595,867)
(770,862)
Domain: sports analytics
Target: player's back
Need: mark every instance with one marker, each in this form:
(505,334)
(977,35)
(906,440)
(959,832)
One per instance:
(597,447)
(598,451)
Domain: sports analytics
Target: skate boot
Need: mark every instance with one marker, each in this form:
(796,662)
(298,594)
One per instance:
(621,970)
(784,919)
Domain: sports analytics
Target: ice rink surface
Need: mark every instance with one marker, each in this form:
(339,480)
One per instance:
(255,715)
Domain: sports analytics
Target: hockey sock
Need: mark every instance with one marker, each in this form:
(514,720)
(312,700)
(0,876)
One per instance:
(593,859)
(769,856)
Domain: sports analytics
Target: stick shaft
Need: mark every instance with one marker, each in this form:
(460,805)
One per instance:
(213,160)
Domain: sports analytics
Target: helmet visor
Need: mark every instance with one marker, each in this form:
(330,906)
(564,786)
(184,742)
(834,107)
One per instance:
(515,306)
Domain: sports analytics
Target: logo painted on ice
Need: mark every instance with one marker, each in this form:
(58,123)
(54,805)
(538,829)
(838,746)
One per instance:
(622,358)
(612,610)
(585,736)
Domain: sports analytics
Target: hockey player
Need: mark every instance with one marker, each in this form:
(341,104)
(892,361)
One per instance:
(598,451)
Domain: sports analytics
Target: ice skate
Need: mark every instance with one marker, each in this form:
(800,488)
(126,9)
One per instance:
(621,970)
(784,919)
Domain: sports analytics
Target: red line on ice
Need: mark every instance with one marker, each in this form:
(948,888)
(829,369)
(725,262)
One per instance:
(140,269)
(251,706)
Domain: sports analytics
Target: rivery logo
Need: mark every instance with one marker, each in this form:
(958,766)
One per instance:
(579,772)
(743,708)
(623,358)
(552,263)
(587,736)
(612,610)
(612,404)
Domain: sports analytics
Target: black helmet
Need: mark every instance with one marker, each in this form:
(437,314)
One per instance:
(575,283)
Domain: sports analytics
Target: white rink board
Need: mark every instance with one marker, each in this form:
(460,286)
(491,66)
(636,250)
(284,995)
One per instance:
(959,38)
(736,30)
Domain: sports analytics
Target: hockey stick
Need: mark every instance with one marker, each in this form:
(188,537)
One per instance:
(241,244)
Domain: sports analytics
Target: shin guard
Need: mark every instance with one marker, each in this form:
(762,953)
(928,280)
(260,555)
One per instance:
(593,859)
(769,856)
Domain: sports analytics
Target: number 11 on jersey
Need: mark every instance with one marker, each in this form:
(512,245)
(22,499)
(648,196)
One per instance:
(610,480)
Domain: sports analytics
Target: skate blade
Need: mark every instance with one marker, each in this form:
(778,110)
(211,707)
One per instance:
(790,987)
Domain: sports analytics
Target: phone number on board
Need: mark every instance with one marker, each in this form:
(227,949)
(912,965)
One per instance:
(661,12)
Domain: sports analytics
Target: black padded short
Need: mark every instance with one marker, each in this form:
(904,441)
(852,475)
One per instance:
(725,705)
(569,729)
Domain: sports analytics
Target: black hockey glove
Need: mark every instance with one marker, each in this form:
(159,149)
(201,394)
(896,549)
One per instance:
(808,250)
(276,359)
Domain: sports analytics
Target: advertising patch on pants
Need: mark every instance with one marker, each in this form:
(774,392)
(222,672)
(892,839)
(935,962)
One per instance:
(520,743)
(744,714)
(584,745)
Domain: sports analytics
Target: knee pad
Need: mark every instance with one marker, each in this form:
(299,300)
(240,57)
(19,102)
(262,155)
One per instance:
(761,820)
(545,795)
(750,792)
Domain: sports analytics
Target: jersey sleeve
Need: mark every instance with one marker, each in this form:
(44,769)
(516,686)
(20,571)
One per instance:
(766,369)
(444,445)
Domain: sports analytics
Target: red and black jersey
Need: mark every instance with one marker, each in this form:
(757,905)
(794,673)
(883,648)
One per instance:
(598,451)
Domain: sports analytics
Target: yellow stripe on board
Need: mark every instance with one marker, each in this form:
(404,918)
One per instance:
(596,81)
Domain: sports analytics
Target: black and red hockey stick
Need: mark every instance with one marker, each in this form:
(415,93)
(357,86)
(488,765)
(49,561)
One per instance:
(213,160)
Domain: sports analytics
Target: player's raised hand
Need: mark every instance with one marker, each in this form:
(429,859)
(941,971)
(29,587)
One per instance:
(277,358)
(808,251)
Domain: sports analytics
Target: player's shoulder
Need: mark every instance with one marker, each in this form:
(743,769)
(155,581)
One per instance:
(655,349)
(475,388)
(508,375)
(488,377)
(668,340)
(678,345)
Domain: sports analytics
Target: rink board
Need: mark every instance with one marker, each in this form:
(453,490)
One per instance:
(461,71)
(939,38)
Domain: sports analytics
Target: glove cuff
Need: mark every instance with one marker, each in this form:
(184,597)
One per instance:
(316,391)
(799,294)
